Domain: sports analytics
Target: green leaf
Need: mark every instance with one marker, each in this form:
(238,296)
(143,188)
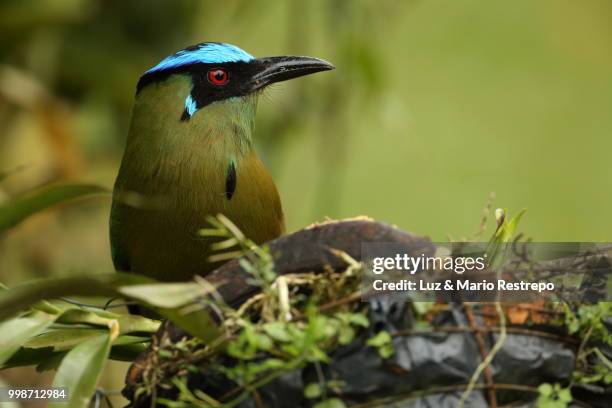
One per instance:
(198,323)
(127,323)
(565,395)
(499,246)
(42,344)
(166,295)
(47,307)
(312,390)
(545,389)
(34,201)
(266,365)
(137,324)
(381,339)
(346,335)
(128,352)
(356,319)
(383,343)
(22,297)
(422,308)
(359,319)
(63,339)
(125,348)
(84,316)
(80,370)
(277,330)
(14,333)
(506,231)
(315,354)
(330,403)
(386,351)
(263,342)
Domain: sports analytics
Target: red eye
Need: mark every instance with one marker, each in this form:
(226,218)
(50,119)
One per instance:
(218,76)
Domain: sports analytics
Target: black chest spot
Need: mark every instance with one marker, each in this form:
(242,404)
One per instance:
(230,180)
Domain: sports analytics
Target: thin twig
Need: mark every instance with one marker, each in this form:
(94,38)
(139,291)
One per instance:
(485,217)
(341,302)
(483,353)
(106,306)
(581,349)
(485,363)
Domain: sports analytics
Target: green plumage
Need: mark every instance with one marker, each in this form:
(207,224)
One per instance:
(174,174)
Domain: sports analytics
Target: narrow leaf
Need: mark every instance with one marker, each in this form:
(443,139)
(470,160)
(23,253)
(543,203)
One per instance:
(331,403)
(128,352)
(197,323)
(80,370)
(125,348)
(14,333)
(22,297)
(102,318)
(34,201)
(137,324)
(166,295)
(83,316)
(63,339)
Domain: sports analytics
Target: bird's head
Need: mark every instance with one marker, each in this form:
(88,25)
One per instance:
(220,71)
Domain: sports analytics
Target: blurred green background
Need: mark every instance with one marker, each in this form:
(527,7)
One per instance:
(434,105)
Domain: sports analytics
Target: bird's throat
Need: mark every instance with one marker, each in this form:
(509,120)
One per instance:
(165,152)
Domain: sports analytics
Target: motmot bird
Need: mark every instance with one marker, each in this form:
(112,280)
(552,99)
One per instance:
(190,155)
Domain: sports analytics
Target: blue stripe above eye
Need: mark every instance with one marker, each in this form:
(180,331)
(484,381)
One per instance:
(206,53)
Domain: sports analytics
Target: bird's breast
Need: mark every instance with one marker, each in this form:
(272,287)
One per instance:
(160,236)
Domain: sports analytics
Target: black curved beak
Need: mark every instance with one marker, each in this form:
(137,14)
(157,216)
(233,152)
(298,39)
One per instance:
(277,69)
